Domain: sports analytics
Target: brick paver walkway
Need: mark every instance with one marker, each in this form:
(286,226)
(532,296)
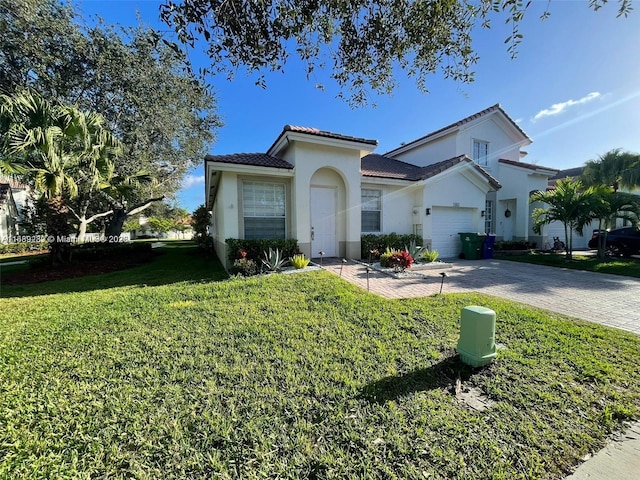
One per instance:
(611,300)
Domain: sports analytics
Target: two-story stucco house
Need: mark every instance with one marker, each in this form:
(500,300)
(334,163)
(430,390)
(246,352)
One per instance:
(327,189)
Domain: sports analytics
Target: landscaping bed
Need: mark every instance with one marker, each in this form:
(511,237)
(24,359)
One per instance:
(296,376)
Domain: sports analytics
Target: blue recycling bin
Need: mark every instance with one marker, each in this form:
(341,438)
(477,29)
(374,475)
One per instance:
(487,246)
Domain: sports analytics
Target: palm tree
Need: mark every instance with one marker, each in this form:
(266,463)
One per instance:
(615,169)
(569,203)
(61,148)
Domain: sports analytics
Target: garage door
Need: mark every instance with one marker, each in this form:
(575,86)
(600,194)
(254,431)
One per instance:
(446,222)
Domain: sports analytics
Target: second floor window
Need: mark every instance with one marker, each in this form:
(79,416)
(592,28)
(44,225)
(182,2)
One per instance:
(480,152)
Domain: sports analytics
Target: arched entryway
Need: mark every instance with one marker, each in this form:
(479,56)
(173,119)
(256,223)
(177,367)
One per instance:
(327,213)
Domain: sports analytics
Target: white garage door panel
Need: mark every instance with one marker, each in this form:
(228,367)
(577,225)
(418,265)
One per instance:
(447,222)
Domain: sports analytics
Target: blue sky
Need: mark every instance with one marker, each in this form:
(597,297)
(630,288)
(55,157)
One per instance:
(574,88)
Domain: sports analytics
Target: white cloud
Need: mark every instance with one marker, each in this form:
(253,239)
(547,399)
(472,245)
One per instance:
(191,180)
(558,108)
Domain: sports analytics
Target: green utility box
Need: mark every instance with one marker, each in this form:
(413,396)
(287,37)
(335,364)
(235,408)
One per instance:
(472,245)
(477,343)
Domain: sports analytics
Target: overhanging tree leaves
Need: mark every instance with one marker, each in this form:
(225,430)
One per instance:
(163,113)
(365,40)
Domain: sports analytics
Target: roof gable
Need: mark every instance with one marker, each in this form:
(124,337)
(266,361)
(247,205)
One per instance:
(493,110)
(315,135)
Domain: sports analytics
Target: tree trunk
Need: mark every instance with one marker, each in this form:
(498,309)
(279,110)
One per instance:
(58,231)
(118,217)
(120,214)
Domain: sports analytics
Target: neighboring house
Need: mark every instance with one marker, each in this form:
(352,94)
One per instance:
(22,196)
(8,214)
(326,189)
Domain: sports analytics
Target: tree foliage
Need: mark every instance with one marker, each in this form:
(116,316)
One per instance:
(615,168)
(164,114)
(366,41)
(63,150)
(200,220)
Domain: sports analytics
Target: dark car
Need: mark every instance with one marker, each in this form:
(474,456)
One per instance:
(620,242)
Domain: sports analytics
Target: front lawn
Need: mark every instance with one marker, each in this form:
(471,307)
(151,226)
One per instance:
(296,376)
(615,266)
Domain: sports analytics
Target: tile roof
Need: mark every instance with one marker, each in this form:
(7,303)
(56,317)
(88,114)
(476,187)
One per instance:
(460,123)
(324,133)
(255,159)
(374,165)
(569,172)
(530,166)
(562,174)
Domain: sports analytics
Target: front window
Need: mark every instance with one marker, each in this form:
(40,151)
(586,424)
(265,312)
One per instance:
(263,207)
(488,215)
(371,210)
(481,152)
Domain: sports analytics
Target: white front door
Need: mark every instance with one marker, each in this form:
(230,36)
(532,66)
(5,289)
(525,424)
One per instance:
(323,221)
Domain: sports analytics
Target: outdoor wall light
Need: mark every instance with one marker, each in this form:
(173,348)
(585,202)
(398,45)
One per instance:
(427,211)
(482,213)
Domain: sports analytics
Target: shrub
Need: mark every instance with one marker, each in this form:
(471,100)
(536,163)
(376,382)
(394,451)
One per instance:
(244,267)
(401,261)
(255,248)
(429,256)
(414,249)
(298,261)
(378,243)
(273,260)
(23,247)
(384,258)
(514,245)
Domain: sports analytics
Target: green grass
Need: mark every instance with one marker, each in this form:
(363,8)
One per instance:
(615,266)
(177,261)
(292,377)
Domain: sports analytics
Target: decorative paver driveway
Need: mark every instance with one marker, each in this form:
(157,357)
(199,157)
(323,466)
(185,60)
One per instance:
(611,300)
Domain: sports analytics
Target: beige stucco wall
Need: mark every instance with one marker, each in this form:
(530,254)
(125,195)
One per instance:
(325,165)
(517,183)
(398,204)
(435,151)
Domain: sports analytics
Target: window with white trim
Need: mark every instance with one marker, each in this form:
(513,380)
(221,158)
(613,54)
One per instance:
(488,215)
(481,152)
(371,210)
(263,209)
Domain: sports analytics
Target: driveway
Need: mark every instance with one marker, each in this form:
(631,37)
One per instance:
(611,300)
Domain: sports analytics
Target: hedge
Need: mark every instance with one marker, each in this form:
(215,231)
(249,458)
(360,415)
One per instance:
(379,243)
(23,247)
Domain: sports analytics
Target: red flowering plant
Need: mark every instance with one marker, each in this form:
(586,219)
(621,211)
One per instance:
(400,261)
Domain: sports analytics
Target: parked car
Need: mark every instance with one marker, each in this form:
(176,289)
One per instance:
(623,241)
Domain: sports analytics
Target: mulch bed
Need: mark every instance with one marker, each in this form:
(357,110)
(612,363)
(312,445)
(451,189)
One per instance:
(45,273)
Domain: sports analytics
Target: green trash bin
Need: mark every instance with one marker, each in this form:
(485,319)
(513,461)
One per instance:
(477,343)
(472,245)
